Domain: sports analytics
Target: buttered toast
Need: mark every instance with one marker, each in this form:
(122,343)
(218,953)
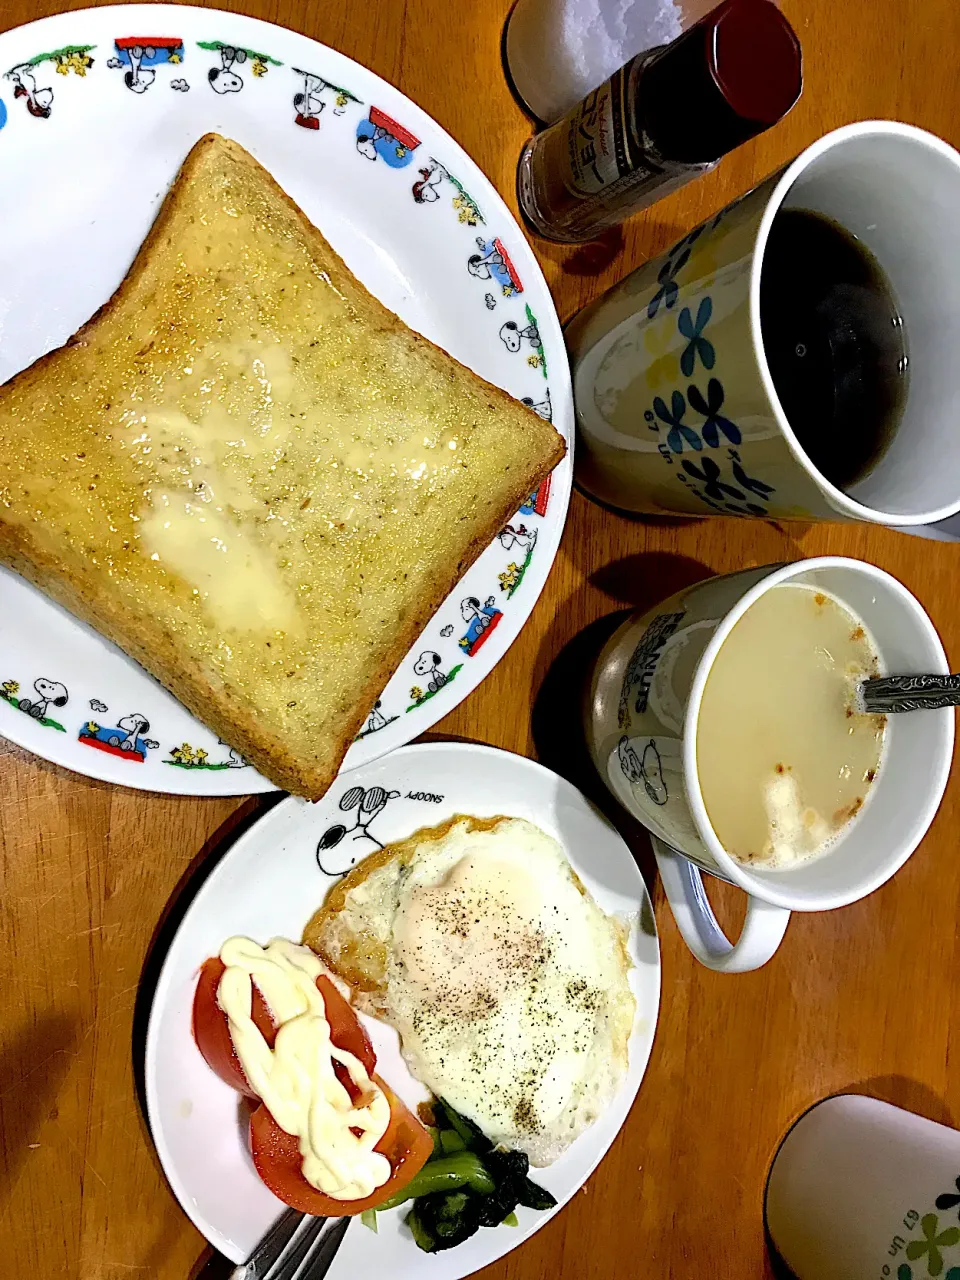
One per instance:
(252,476)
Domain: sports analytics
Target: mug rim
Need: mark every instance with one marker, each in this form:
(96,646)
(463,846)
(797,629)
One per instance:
(768,889)
(837,498)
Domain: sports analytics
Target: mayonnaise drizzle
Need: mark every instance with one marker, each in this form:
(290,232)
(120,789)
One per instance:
(296,1079)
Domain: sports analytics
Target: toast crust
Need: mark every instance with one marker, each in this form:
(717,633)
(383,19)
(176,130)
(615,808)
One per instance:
(86,593)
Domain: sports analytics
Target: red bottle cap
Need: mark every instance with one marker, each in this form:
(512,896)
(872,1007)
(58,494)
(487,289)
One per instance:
(731,76)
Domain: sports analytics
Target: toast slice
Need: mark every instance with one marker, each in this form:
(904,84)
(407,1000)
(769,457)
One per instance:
(253,477)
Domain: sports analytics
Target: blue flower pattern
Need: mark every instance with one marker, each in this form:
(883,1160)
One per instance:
(710,408)
(758,487)
(697,344)
(717,493)
(679,431)
(708,474)
(745,493)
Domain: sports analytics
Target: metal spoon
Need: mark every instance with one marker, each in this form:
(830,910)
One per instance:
(892,694)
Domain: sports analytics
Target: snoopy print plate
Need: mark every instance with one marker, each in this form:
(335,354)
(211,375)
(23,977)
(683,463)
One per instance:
(269,883)
(98,108)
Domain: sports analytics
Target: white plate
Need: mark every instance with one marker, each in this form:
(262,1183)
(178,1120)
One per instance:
(97,110)
(268,885)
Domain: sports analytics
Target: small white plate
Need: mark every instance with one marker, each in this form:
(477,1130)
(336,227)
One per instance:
(97,110)
(268,885)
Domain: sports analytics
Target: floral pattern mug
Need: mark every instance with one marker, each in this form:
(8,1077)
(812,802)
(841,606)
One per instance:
(676,408)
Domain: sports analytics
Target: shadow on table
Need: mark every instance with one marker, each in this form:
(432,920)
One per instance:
(558,734)
(634,517)
(211,1265)
(34,1062)
(910,1095)
(647,578)
(640,581)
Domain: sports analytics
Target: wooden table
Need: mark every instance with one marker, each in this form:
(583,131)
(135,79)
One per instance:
(855,999)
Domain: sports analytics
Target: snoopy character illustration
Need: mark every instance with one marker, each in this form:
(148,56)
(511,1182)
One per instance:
(38,101)
(512,336)
(481,619)
(522,537)
(428,666)
(51,693)
(357,841)
(427,190)
(224,79)
(645,770)
(125,740)
(493,263)
(380,136)
(307,101)
(542,408)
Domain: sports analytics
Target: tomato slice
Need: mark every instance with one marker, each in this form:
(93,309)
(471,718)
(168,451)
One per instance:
(346,1030)
(211,1030)
(276,1154)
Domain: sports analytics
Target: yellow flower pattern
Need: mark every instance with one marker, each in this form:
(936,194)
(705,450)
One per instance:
(663,346)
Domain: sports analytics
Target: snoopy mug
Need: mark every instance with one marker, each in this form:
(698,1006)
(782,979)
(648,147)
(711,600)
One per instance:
(642,707)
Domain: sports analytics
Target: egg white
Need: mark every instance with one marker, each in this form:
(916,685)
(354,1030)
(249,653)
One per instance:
(507,983)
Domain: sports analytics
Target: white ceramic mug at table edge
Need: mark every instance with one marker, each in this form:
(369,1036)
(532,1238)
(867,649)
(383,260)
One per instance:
(769,906)
(841,501)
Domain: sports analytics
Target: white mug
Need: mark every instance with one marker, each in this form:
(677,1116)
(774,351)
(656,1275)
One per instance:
(676,408)
(861,1190)
(642,709)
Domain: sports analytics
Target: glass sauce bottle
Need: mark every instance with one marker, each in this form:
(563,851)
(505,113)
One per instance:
(667,116)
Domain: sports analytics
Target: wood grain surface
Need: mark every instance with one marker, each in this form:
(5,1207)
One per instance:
(861,998)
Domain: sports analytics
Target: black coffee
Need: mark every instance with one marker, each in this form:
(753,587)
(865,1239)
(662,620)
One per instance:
(835,343)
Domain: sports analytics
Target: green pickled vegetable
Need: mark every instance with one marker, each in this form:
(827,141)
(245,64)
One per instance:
(466,1184)
(473,1138)
(451,1141)
(424,1240)
(444,1173)
(533,1196)
(448,1218)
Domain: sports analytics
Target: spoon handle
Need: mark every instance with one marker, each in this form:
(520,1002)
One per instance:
(887,694)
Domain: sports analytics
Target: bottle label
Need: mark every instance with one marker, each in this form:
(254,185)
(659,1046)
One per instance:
(595,166)
(599,149)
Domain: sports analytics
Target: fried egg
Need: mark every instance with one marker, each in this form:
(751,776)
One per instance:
(507,983)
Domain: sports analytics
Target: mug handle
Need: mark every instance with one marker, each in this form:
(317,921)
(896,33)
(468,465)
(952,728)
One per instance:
(763,928)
